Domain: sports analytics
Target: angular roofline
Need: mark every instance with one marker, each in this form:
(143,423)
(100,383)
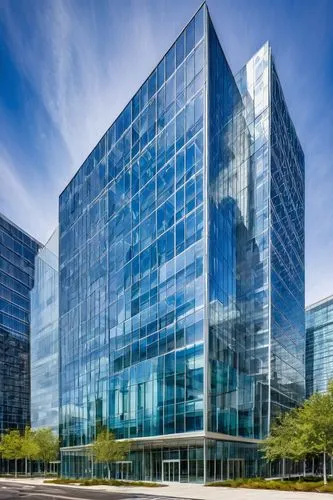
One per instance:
(45,246)
(52,234)
(319,303)
(3,216)
(274,65)
(203,4)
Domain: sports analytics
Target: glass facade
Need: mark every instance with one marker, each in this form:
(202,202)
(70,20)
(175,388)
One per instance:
(170,333)
(17,255)
(44,344)
(270,245)
(287,323)
(229,380)
(319,346)
(131,263)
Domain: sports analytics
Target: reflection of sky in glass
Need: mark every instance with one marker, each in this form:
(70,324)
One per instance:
(17,253)
(131,262)
(319,344)
(44,341)
(172,274)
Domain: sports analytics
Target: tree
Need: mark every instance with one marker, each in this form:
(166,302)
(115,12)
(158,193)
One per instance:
(11,446)
(30,447)
(306,431)
(317,425)
(286,439)
(106,449)
(48,446)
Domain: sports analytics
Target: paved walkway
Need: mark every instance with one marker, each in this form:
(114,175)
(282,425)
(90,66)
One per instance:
(193,491)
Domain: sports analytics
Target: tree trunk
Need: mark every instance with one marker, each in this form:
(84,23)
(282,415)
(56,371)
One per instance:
(109,472)
(304,467)
(92,467)
(313,470)
(45,468)
(15,467)
(324,468)
(26,465)
(283,468)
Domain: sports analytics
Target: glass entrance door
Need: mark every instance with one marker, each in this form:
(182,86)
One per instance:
(235,468)
(171,471)
(123,470)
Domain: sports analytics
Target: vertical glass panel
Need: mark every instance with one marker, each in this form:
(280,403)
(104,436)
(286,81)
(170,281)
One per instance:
(199,25)
(152,84)
(136,105)
(144,94)
(190,36)
(180,49)
(160,74)
(170,62)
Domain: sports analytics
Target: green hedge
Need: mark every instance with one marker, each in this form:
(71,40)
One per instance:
(289,485)
(107,482)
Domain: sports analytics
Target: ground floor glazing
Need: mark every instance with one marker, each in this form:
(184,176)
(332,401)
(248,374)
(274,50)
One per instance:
(194,460)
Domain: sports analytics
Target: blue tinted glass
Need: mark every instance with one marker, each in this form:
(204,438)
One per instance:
(170,62)
(160,74)
(189,69)
(135,178)
(139,270)
(199,25)
(180,82)
(136,105)
(180,49)
(170,91)
(199,57)
(144,94)
(119,126)
(190,39)
(152,84)
(17,277)
(180,168)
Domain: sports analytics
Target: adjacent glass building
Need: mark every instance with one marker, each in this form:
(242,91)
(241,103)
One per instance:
(44,345)
(17,255)
(319,346)
(182,271)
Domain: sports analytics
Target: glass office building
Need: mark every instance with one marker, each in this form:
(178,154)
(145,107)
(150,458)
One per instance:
(44,345)
(319,346)
(171,334)
(17,255)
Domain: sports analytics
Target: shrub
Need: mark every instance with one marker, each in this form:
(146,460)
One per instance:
(106,482)
(63,480)
(289,485)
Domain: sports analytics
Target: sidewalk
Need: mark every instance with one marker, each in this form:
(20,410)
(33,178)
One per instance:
(193,491)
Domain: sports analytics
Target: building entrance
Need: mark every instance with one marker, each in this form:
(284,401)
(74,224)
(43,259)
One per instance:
(235,468)
(171,471)
(123,470)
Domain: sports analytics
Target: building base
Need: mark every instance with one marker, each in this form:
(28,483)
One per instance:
(188,460)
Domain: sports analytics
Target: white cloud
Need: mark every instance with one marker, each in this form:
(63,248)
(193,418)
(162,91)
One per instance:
(84,60)
(19,201)
(83,72)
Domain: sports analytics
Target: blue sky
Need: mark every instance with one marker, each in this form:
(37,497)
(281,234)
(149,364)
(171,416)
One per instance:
(67,68)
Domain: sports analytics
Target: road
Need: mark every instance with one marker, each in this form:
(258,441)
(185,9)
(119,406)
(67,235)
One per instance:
(12,491)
